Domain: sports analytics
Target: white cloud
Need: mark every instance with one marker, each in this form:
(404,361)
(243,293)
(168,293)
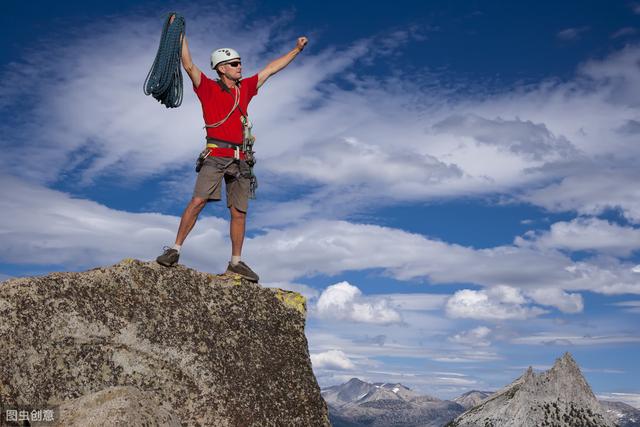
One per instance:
(632,399)
(81,233)
(591,192)
(331,247)
(416,301)
(629,306)
(332,359)
(554,297)
(324,339)
(472,356)
(351,161)
(525,138)
(549,338)
(624,32)
(571,34)
(497,303)
(344,301)
(476,337)
(603,370)
(590,234)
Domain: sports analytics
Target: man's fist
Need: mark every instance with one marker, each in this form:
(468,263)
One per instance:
(302,42)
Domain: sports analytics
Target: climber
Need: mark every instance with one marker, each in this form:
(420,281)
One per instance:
(224,106)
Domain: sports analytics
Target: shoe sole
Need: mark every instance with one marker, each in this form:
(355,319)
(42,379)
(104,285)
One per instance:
(251,279)
(165,264)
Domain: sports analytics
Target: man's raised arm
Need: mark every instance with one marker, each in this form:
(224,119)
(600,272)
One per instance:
(192,70)
(280,63)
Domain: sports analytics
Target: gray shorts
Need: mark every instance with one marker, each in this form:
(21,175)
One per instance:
(236,177)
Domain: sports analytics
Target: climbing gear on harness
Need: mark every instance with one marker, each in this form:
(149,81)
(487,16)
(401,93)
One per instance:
(164,80)
(247,147)
(247,140)
(223,55)
(201,158)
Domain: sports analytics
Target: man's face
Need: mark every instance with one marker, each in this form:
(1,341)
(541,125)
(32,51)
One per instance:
(232,69)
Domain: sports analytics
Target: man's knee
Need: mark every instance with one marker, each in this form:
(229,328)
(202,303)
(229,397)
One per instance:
(197,203)
(237,214)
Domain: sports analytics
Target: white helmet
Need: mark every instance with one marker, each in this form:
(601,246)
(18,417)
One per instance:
(222,55)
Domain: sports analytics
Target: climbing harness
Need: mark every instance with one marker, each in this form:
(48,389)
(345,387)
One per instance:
(164,80)
(218,148)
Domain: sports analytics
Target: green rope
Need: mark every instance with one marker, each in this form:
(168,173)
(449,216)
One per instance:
(164,81)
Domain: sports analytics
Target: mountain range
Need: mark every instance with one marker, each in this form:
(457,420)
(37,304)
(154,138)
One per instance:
(558,397)
(358,403)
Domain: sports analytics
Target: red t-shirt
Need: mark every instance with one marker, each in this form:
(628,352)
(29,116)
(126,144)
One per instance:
(217,102)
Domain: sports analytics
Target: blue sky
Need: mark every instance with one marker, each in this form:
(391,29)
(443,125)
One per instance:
(453,185)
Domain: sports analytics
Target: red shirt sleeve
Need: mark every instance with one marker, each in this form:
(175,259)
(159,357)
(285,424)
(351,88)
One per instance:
(251,85)
(205,83)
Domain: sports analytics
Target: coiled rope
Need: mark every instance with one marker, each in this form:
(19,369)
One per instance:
(164,81)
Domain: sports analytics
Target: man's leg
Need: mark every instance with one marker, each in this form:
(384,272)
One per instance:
(171,256)
(236,230)
(238,202)
(189,217)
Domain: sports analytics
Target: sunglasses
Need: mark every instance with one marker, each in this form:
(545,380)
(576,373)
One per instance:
(234,64)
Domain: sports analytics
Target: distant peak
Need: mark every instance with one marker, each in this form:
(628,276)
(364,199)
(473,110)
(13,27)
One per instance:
(476,392)
(567,358)
(547,398)
(566,362)
(398,385)
(529,372)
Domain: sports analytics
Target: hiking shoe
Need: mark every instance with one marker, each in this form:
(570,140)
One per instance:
(243,270)
(169,257)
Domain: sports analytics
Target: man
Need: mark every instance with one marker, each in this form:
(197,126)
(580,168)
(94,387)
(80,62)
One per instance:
(224,103)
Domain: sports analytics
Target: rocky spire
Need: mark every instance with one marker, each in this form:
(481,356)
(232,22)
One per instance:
(557,397)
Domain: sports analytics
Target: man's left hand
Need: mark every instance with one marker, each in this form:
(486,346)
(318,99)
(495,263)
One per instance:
(302,42)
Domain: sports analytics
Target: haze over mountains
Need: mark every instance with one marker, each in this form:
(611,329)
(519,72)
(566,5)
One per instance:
(558,397)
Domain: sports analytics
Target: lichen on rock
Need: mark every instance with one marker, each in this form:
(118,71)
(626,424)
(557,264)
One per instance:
(292,299)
